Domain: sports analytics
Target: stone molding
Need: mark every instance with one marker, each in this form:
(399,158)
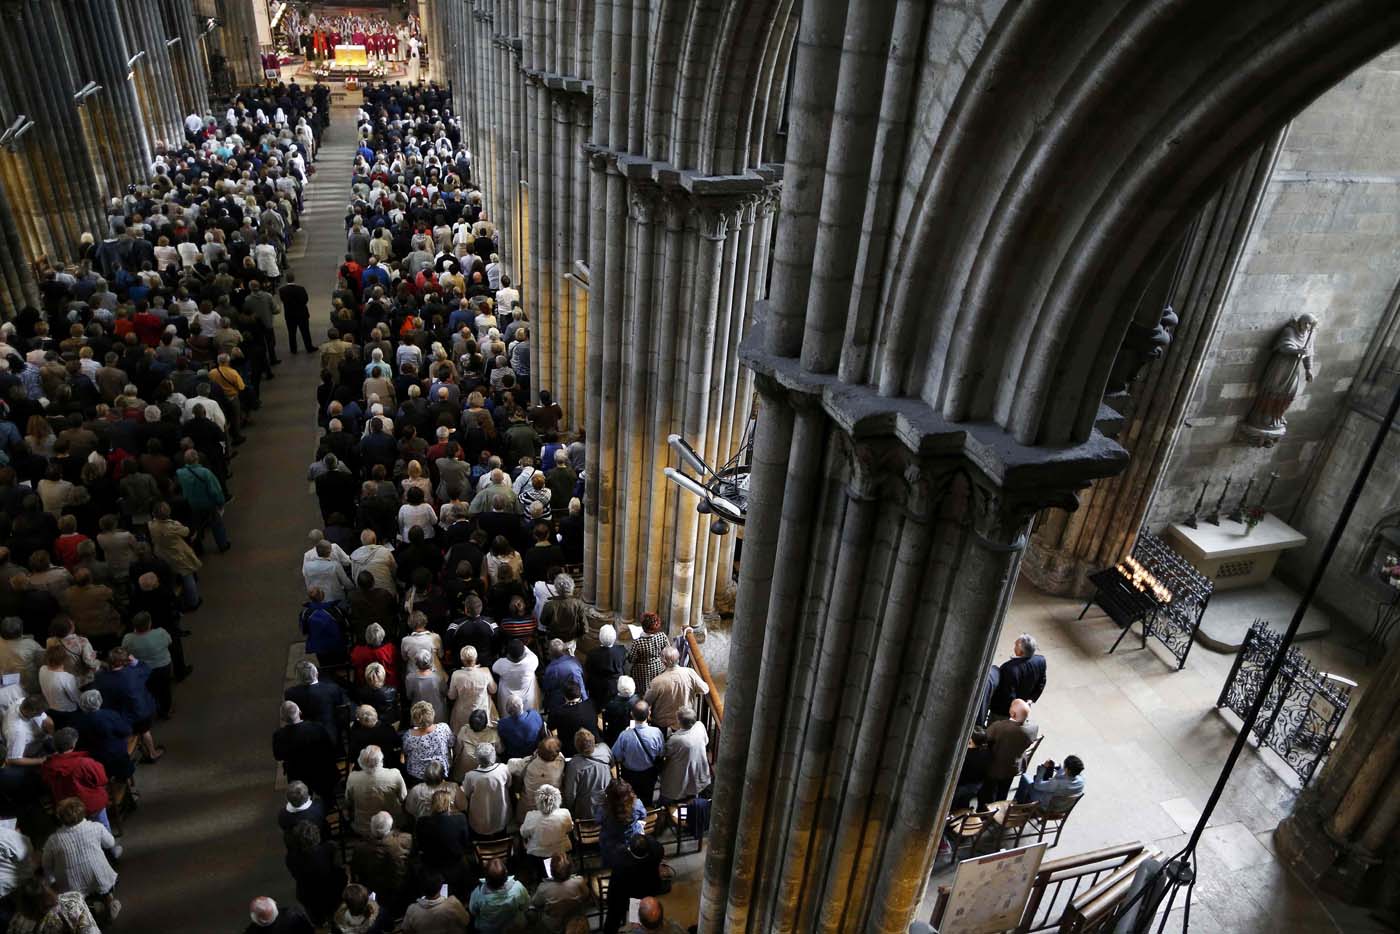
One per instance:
(1031,477)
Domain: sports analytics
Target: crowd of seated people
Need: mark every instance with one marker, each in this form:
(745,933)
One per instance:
(122,398)
(465,747)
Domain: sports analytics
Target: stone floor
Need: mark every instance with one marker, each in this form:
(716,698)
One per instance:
(1232,612)
(205,840)
(1153,743)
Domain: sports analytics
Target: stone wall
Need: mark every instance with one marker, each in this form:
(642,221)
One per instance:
(1326,242)
(1348,587)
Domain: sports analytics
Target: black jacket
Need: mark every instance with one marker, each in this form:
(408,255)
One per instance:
(1022,678)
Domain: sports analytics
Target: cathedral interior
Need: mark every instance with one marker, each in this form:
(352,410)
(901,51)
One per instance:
(993,405)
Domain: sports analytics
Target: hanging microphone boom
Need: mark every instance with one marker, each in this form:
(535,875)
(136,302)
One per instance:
(687,454)
(685,483)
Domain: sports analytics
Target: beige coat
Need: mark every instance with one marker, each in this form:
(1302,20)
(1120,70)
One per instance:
(168,542)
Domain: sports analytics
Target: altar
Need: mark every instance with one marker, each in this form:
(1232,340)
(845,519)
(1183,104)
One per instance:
(1230,554)
(351,56)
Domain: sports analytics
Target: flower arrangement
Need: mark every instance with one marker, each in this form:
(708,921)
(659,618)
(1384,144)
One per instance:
(1390,571)
(1252,517)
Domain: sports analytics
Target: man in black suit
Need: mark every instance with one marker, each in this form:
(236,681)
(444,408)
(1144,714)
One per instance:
(306,752)
(1022,677)
(317,699)
(296,309)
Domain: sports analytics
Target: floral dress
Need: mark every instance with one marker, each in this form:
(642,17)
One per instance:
(69,916)
(418,750)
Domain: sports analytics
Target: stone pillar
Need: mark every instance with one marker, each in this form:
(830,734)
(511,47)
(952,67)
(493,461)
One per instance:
(238,38)
(844,646)
(1067,546)
(115,111)
(17,285)
(187,57)
(54,177)
(1344,832)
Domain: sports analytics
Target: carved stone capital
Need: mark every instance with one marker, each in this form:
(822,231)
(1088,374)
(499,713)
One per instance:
(643,202)
(713,221)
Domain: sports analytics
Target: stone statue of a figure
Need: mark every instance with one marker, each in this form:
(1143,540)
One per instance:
(1289,366)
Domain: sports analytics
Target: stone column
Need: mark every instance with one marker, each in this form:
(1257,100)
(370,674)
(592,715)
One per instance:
(17,285)
(1345,827)
(187,57)
(238,38)
(635,467)
(657,530)
(102,54)
(1067,546)
(866,616)
(579,248)
(55,181)
(701,325)
(556,379)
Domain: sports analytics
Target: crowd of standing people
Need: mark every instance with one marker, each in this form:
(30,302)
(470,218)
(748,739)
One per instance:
(123,397)
(466,751)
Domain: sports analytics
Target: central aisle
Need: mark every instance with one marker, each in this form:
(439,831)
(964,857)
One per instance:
(205,839)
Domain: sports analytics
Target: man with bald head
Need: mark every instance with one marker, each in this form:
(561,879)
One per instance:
(651,916)
(267,917)
(1008,741)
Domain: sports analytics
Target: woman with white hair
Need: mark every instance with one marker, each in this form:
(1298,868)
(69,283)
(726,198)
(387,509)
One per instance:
(603,666)
(425,683)
(617,712)
(373,788)
(545,831)
(421,639)
(471,688)
(372,729)
(375,649)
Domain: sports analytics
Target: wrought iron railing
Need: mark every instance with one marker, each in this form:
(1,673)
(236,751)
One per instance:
(1303,709)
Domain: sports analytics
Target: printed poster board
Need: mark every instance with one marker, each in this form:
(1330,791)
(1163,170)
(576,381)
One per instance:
(989,893)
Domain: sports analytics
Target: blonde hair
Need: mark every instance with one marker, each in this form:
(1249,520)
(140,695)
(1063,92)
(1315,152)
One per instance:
(375,675)
(468,654)
(365,715)
(422,715)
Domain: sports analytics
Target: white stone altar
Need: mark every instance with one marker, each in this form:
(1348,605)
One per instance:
(1231,555)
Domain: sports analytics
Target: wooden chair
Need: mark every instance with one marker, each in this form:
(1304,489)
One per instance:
(599,881)
(587,852)
(965,830)
(678,814)
(487,850)
(1013,822)
(1052,816)
(653,820)
(1028,757)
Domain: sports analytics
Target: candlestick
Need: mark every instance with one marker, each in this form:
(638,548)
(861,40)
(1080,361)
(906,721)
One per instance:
(1238,514)
(1196,509)
(1214,518)
(1264,503)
